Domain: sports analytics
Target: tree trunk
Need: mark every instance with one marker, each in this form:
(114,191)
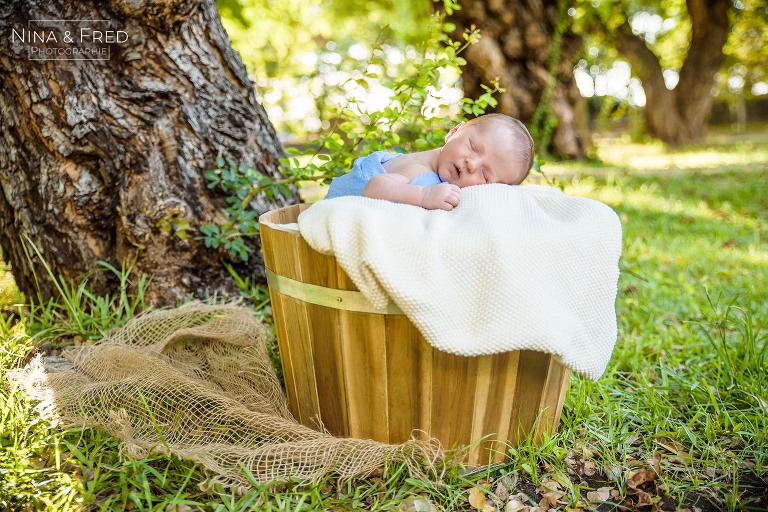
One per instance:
(679,116)
(97,157)
(515,46)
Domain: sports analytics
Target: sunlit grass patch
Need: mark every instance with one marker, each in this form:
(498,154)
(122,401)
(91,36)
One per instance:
(639,157)
(687,382)
(620,155)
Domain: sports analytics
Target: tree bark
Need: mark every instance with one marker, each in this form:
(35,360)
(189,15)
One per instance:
(515,46)
(97,156)
(679,116)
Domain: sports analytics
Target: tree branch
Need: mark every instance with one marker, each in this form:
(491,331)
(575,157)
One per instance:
(709,31)
(644,62)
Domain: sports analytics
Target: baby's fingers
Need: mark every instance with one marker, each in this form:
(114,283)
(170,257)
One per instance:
(454,194)
(451,201)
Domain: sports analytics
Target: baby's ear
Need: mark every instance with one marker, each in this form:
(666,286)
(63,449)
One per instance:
(453,130)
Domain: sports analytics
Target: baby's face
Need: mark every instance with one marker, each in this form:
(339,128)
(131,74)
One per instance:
(478,154)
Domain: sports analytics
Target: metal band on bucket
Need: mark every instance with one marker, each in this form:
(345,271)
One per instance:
(346,300)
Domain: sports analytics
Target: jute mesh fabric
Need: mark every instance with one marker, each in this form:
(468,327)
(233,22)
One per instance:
(197,382)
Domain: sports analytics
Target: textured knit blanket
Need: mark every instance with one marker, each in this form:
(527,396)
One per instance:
(511,268)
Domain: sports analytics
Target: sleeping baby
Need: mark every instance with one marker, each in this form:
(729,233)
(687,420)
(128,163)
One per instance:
(494,148)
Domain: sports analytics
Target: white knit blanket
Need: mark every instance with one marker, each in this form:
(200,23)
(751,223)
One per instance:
(511,268)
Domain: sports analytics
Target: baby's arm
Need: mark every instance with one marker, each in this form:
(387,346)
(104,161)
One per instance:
(396,187)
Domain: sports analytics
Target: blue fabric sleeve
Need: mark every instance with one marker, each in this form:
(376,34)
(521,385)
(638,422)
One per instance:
(427,179)
(365,168)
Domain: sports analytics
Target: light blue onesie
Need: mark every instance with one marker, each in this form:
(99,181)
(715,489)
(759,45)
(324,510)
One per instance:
(365,168)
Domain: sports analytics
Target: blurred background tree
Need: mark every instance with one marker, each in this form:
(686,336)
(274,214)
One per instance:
(530,46)
(667,61)
(744,76)
(682,53)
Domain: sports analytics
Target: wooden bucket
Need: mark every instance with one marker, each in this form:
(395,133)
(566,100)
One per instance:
(360,373)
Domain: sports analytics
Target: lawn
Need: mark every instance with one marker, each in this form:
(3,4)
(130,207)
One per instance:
(677,422)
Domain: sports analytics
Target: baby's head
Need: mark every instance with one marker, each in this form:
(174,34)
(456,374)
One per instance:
(494,148)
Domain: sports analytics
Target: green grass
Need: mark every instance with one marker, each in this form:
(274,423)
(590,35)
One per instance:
(722,150)
(687,384)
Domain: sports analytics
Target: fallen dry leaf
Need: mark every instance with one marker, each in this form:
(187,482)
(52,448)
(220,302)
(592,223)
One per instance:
(418,505)
(657,462)
(578,464)
(643,498)
(601,494)
(501,491)
(640,476)
(549,484)
(612,472)
(178,507)
(549,500)
(516,506)
(477,498)
(574,462)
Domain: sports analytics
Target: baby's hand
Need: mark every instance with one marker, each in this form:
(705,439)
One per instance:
(441,197)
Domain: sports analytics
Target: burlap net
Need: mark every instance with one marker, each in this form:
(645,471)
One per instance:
(197,382)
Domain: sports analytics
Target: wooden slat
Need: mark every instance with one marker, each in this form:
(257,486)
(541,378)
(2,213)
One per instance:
(483,407)
(324,270)
(286,359)
(505,368)
(296,357)
(552,397)
(406,374)
(425,355)
(325,340)
(281,255)
(287,215)
(453,396)
(564,385)
(531,373)
(364,356)
(328,369)
(498,410)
